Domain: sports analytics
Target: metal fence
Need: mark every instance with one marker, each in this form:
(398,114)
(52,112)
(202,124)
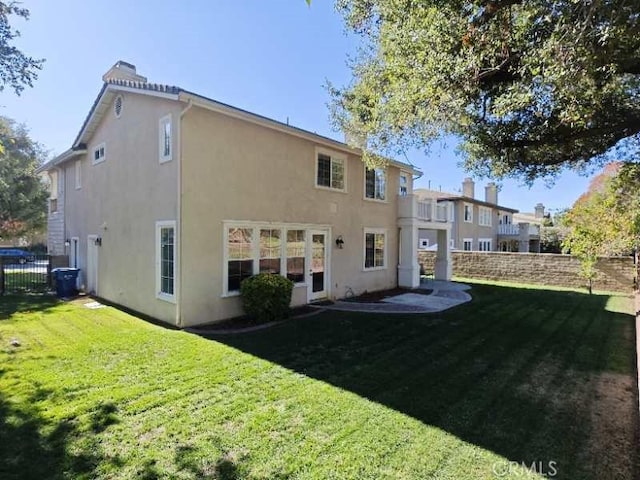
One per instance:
(25,274)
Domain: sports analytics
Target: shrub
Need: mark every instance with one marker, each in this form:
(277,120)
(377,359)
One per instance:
(266,297)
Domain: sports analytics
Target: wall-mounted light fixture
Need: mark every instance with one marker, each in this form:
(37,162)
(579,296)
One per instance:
(98,241)
(339,241)
(67,243)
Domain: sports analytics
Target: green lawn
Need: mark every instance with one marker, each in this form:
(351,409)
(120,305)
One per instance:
(520,375)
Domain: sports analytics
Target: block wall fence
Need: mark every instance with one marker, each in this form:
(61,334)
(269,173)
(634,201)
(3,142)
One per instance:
(613,273)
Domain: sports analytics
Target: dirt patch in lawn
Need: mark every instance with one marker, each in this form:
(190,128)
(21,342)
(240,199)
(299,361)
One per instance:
(613,405)
(378,297)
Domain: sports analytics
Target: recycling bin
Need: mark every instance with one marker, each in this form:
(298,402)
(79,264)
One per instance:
(66,281)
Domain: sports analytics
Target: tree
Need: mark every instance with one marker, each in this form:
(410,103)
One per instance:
(17,70)
(530,87)
(23,195)
(605,220)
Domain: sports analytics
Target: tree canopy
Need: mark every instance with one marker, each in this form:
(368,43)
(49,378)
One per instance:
(605,220)
(530,87)
(17,70)
(23,196)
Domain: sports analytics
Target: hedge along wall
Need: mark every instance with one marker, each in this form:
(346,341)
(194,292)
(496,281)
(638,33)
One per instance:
(613,273)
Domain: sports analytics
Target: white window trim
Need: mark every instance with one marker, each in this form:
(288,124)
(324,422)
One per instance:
(364,186)
(481,218)
(161,123)
(255,248)
(102,145)
(489,241)
(470,240)
(54,182)
(470,205)
(334,156)
(364,248)
(78,172)
(160,295)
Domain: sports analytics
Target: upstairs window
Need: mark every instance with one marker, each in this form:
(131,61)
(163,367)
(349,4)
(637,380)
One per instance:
(99,153)
(484,216)
(375,183)
(330,172)
(404,184)
(78,172)
(53,192)
(468,213)
(165,140)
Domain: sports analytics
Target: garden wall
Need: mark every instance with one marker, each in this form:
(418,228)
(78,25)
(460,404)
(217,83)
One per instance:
(613,273)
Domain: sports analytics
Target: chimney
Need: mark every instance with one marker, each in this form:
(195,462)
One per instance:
(468,188)
(491,193)
(539,211)
(123,71)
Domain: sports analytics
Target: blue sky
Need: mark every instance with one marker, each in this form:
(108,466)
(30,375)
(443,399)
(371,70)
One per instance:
(269,57)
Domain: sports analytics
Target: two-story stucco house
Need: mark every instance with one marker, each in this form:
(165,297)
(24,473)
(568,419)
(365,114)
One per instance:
(480,225)
(167,200)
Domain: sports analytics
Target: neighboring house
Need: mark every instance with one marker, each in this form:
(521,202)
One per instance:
(167,200)
(480,225)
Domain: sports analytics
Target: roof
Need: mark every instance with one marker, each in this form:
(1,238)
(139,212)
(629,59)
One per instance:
(112,86)
(452,197)
(462,198)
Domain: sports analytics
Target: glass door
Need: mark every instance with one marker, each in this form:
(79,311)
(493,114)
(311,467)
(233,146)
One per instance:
(318,271)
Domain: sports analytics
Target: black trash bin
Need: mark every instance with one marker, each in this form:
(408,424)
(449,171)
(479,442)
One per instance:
(66,280)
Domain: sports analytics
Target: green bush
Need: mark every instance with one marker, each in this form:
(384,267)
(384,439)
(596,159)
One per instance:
(266,297)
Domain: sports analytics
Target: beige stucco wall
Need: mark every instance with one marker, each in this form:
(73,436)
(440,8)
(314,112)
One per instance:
(122,198)
(235,170)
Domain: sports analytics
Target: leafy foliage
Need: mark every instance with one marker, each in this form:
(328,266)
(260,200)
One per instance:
(266,297)
(606,219)
(23,196)
(530,87)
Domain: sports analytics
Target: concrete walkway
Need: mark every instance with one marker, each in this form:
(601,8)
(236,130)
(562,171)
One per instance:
(445,295)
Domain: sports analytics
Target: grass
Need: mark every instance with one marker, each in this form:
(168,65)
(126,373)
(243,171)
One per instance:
(517,375)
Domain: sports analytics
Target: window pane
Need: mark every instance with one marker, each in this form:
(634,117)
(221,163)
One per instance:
(324,171)
(239,246)
(337,174)
(295,269)
(167,139)
(369,250)
(379,250)
(370,183)
(270,248)
(381,183)
(403,185)
(295,255)
(238,271)
(167,260)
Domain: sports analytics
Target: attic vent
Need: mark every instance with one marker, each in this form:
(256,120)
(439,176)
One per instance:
(117,106)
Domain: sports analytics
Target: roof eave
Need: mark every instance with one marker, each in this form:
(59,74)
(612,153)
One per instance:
(60,159)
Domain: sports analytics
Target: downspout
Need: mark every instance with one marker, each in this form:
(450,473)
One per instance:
(179,215)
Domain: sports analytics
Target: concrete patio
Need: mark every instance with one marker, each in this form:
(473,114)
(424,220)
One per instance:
(445,295)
